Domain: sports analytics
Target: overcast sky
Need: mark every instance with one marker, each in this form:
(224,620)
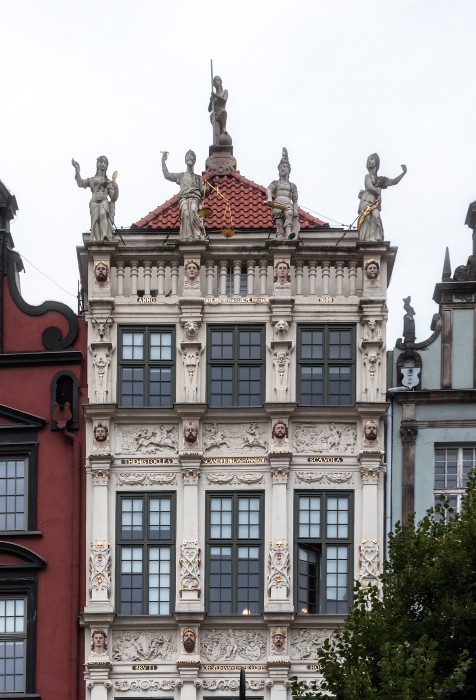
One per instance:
(332,80)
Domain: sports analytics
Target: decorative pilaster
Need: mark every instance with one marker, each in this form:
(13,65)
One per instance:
(408,435)
(278,587)
(190,555)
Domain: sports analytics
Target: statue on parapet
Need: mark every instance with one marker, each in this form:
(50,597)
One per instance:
(192,191)
(104,194)
(409,335)
(369,225)
(218,114)
(282,197)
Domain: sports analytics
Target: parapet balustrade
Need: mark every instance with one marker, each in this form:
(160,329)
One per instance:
(236,277)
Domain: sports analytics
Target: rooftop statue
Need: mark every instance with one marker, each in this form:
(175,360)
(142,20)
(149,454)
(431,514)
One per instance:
(282,197)
(218,115)
(192,190)
(409,335)
(369,224)
(104,194)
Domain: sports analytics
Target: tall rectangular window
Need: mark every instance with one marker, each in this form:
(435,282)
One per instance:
(235,366)
(234,541)
(146,555)
(326,365)
(146,371)
(452,467)
(323,535)
(13,644)
(13,491)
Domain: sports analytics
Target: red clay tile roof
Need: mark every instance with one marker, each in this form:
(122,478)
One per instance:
(246,210)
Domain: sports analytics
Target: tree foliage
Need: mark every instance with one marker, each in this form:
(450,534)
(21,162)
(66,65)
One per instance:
(415,639)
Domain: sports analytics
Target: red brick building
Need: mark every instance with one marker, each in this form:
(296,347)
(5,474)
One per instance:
(42,389)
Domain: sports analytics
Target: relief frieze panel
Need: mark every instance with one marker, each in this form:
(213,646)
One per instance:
(324,477)
(147,439)
(217,645)
(234,478)
(306,642)
(146,479)
(332,438)
(250,439)
(143,646)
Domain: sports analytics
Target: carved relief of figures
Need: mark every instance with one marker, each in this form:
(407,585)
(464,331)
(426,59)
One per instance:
(253,437)
(148,440)
(369,225)
(251,440)
(278,565)
(278,641)
(142,646)
(101,273)
(282,197)
(371,363)
(191,271)
(339,438)
(233,644)
(279,435)
(146,478)
(189,565)
(101,362)
(281,360)
(282,274)
(98,643)
(100,566)
(104,194)
(190,435)
(330,477)
(191,360)
(101,436)
(369,563)
(189,639)
(306,642)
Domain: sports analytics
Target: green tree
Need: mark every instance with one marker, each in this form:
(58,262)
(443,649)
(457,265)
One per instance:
(415,639)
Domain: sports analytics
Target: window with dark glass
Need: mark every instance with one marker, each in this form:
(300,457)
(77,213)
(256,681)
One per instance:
(13,644)
(326,365)
(18,488)
(452,467)
(323,552)
(146,371)
(235,366)
(234,540)
(146,555)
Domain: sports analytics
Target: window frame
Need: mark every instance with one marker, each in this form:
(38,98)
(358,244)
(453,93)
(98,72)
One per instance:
(320,545)
(234,542)
(146,543)
(146,363)
(27,451)
(236,363)
(326,362)
(452,492)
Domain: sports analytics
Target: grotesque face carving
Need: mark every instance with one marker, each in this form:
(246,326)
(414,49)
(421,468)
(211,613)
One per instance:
(371,430)
(281,327)
(372,270)
(189,639)
(190,432)
(100,432)
(191,330)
